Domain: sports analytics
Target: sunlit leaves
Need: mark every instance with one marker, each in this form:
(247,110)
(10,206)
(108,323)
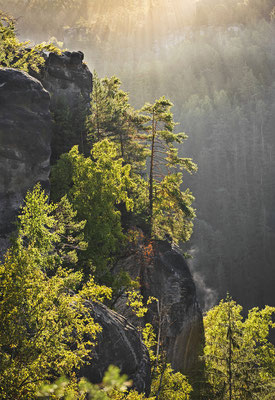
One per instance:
(43,324)
(95,185)
(170,385)
(20,55)
(112,117)
(46,329)
(237,351)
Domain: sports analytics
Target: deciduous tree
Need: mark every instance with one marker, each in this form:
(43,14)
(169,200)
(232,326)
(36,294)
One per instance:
(45,326)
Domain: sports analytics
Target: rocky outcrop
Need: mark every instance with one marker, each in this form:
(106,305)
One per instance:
(67,78)
(178,317)
(69,81)
(119,343)
(25,138)
(25,135)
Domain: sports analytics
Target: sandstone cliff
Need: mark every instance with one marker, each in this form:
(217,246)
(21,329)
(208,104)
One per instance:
(25,137)
(178,317)
(118,344)
(69,81)
(25,148)
(29,129)
(67,78)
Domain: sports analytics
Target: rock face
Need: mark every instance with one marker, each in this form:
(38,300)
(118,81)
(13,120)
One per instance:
(25,139)
(119,344)
(178,317)
(25,135)
(26,128)
(69,81)
(67,78)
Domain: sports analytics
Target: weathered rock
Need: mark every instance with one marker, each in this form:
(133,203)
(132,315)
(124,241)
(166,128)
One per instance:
(167,277)
(66,78)
(25,135)
(69,82)
(118,344)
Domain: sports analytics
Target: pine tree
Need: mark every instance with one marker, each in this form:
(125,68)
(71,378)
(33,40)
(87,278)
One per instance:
(165,197)
(112,117)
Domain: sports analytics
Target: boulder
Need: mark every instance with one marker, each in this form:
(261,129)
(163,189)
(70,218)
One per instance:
(178,318)
(25,136)
(119,344)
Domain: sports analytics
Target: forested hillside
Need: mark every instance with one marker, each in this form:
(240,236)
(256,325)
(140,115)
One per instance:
(215,61)
(165,152)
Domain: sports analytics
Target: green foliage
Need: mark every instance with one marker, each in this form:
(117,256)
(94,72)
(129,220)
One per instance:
(70,232)
(170,385)
(46,330)
(113,387)
(166,384)
(113,118)
(136,301)
(51,228)
(149,339)
(16,54)
(240,362)
(95,186)
(170,210)
(42,335)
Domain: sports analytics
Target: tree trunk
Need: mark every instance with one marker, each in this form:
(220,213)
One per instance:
(151,174)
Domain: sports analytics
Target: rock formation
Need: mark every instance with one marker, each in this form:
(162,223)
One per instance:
(66,78)
(178,318)
(69,82)
(118,344)
(25,148)
(25,136)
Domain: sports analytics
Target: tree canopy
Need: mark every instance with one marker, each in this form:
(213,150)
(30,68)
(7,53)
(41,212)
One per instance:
(42,335)
(113,117)
(95,185)
(170,209)
(240,361)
